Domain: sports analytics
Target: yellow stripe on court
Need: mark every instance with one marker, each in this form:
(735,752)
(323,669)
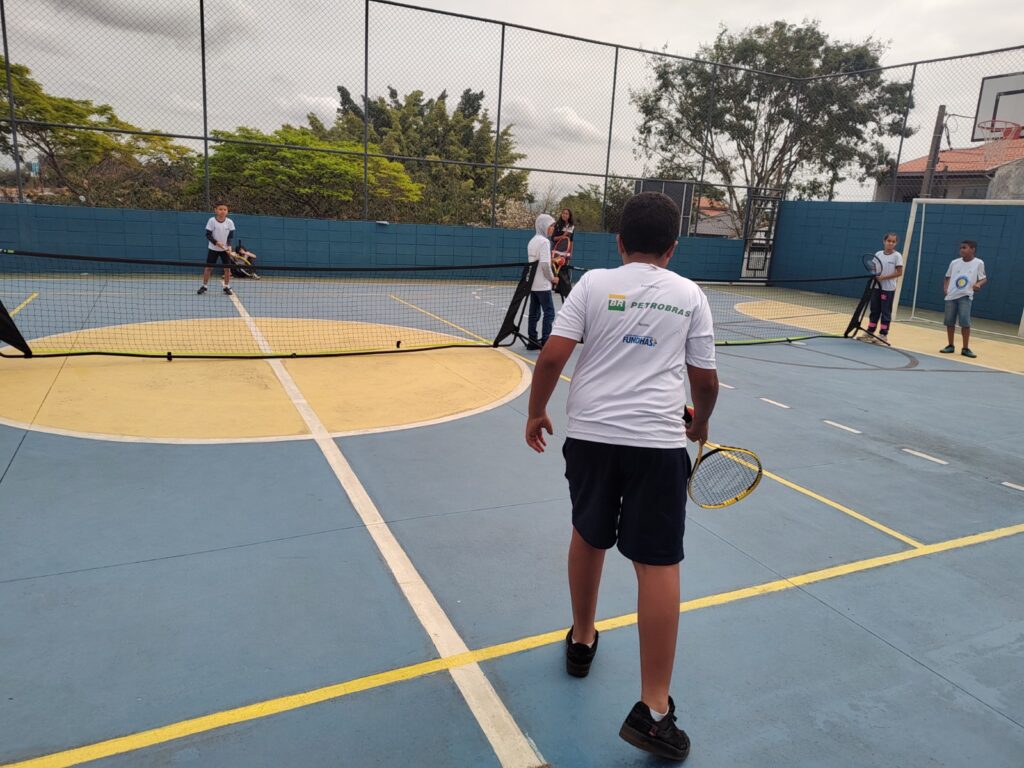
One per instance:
(24,304)
(845,510)
(251,712)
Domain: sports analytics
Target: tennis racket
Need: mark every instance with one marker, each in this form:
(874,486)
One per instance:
(560,252)
(723,475)
(872,264)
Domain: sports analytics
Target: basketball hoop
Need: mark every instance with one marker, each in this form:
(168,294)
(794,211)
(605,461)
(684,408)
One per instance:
(997,135)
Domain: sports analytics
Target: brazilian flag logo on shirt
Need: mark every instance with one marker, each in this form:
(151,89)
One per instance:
(617,302)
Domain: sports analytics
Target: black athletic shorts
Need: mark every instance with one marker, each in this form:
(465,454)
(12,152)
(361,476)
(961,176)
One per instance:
(633,496)
(212,256)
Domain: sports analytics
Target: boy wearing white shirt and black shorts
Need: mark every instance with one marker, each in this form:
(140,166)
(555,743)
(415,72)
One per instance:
(219,231)
(964,276)
(647,330)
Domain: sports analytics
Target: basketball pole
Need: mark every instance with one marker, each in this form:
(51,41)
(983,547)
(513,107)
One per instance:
(933,153)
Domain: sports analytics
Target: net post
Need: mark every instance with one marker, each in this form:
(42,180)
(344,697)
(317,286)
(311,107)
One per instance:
(514,314)
(10,334)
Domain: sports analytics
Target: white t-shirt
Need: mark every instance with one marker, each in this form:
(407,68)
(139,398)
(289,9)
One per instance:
(539,249)
(889,262)
(641,325)
(962,277)
(220,231)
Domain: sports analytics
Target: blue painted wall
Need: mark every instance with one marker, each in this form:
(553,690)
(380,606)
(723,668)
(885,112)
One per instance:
(819,239)
(822,239)
(178,236)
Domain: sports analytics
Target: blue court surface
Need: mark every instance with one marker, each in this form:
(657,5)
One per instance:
(399,598)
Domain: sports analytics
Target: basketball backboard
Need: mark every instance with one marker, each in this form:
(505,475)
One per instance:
(1001,98)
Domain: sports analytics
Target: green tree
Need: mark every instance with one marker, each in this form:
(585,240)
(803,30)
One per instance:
(96,167)
(306,176)
(585,204)
(421,132)
(793,128)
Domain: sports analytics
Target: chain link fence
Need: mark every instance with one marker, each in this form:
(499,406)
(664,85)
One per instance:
(466,121)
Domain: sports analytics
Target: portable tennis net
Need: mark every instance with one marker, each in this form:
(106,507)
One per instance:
(57,305)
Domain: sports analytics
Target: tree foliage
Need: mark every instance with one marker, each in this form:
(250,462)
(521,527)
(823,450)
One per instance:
(306,176)
(455,192)
(316,170)
(793,129)
(585,204)
(95,167)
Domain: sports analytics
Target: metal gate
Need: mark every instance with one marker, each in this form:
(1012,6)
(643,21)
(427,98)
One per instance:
(759,220)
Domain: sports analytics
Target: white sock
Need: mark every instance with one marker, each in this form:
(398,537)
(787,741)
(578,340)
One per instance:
(657,716)
(589,645)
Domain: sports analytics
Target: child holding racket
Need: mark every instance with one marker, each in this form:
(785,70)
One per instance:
(625,449)
(887,266)
(561,242)
(219,231)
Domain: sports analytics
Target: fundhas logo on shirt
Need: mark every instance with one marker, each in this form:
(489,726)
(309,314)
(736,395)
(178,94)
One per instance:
(961,281)
(617,302)
(645,341)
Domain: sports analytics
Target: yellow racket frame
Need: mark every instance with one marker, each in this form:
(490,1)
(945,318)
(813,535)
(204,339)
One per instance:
(756,464)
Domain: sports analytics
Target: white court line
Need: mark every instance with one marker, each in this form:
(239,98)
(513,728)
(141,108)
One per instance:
(924,456)
(1014,486)
(725,385)
(837,425)
(772,402)
(510,744)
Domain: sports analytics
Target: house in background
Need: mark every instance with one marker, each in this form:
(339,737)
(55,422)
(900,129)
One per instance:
(993,171)
(715,220)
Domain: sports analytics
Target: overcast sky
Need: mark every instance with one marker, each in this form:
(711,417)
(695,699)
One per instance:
(917,29)
(272,62)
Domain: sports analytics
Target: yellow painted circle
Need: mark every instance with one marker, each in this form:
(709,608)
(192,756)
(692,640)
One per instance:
(238,400)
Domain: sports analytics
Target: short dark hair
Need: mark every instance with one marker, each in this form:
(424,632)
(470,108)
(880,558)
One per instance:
(972,243)
(219,203)
(649,223)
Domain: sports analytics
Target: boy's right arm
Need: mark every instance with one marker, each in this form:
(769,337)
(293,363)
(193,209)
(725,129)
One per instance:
(704,391)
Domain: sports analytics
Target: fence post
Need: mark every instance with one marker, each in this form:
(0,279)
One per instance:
(206,116)
(366,111)
(608,154)
(10,104)
(497,130)
(903,132)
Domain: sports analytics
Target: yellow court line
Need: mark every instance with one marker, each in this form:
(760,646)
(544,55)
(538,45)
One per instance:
(438,318)
(453,325)
(845,510)
(24,304)
(206,723)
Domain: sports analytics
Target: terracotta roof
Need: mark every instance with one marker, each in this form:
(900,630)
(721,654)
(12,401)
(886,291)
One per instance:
(971,160)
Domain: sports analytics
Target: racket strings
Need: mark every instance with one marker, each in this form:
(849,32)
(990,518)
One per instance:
(723,475)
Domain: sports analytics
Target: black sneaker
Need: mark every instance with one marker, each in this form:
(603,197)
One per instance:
(532,345)
(202,290)
(663,738)
(227,290)
(579,656)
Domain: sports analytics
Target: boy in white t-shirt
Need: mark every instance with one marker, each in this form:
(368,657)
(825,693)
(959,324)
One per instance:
(889,263)
(647,331)
(219,231)
(964,276)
